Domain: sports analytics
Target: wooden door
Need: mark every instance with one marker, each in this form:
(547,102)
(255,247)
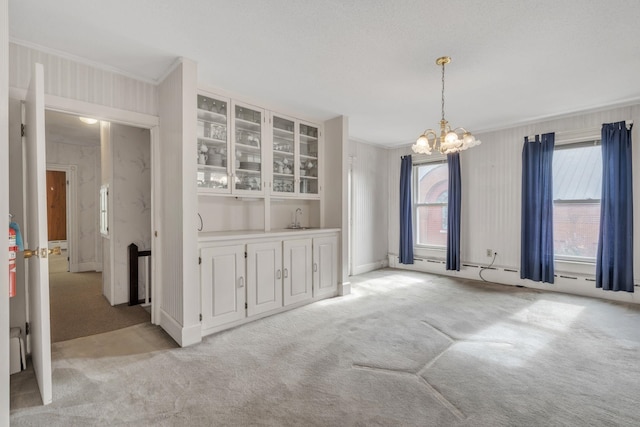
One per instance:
(36,233)
(222,281)
(57,205)
(297,275)
(264,277)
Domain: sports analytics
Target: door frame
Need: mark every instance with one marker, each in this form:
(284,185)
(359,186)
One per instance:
(131,118)
(71,205)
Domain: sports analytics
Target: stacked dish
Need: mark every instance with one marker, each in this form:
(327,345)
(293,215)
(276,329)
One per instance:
(251,166)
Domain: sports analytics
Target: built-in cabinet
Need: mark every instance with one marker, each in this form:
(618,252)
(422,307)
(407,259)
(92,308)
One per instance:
(325,265)
(252,276)
(246,150)
(297,266)
(223,291)
(230,147)
(264,277)
(295,157)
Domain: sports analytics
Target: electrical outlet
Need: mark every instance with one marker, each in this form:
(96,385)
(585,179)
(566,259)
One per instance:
(489,252)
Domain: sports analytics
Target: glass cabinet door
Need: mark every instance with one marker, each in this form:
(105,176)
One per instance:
(212,147)
(308,159)
(247,149)
(283,156)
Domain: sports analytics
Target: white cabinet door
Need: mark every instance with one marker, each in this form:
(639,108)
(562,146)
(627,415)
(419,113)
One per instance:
(222,281)
(325,266)
(213,156)
(247,144)
(284,151)
(264,277)
(297,277)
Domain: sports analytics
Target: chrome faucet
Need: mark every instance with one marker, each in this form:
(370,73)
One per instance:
(296,223)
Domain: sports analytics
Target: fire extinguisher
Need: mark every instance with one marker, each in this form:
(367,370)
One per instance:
(13,249)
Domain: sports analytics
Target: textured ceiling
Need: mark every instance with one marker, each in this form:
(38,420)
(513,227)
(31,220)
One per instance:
(371,60)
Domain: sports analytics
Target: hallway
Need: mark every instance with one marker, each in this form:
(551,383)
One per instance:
(79,309)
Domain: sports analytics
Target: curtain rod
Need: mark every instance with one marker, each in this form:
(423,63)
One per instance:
(572,135)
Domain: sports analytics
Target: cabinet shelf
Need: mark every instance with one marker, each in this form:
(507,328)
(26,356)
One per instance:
(248,147)
(308,177)
(212,117)
(212,168)
(282,133)
(283,153)
(250,125)
(212,140)
(305,156)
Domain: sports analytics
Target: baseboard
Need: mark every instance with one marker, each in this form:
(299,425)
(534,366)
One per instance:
(181,335)
(365,268)
(85,266)
(214,329)
(569,283)
(61,243)
(344,288)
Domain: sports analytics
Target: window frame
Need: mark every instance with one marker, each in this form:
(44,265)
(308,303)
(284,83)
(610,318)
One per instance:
(590,142)
(415,205)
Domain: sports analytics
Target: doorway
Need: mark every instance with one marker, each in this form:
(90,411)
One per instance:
(78,306)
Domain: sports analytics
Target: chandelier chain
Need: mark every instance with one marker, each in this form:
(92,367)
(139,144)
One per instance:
(443,91)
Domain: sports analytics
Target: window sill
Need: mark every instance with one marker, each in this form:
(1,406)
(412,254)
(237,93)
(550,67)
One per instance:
(584,268)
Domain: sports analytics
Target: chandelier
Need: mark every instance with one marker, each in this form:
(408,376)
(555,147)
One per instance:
(449,141)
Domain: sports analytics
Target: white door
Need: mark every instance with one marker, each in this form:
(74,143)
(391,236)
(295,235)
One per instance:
(223,285)
(36,233)
(297,270)
(264,277)
(325,266)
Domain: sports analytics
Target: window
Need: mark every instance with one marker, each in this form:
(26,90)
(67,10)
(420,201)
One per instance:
(577,187)
(430,198)
(104,206)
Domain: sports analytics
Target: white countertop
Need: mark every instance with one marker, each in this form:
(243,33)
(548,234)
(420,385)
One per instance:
(215,236)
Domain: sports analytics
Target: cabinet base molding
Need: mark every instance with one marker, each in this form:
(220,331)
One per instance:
(215,329)
(184,336)
(344,288)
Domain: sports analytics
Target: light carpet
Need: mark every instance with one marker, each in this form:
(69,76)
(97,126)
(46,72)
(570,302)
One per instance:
(404,349)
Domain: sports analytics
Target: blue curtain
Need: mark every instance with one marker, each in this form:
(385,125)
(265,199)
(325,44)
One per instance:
(453,219)
(614,260)
(536,253)
(406,224)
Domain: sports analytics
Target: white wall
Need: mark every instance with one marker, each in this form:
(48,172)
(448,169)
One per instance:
(335,191)
(177,203)
(491,180)
(130,199)
(18,303)
(4,211)
(87,162)
(106,178)
(369,199)
(71,79)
